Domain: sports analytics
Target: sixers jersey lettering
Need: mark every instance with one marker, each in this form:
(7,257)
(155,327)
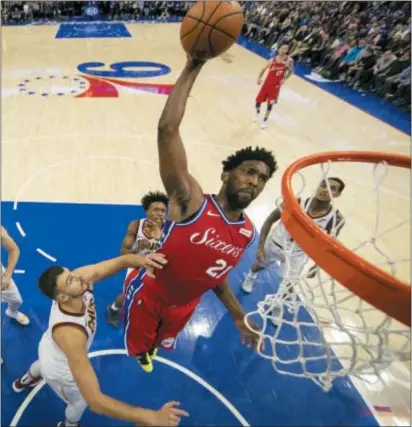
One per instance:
(276,72)
(200,253)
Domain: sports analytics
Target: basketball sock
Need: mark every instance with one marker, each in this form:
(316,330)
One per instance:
(114,307)
(68,423)
(265,119)
(34,370)
(251,275)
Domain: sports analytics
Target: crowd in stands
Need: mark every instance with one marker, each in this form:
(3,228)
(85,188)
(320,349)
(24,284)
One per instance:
(364,44)
(27,11)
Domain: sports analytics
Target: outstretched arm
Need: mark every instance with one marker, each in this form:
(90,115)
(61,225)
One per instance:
(225,294)
(267,225)
(184,191)
(105,269)
(72,340)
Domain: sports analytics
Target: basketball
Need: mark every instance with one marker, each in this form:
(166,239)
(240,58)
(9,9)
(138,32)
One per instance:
(211,28)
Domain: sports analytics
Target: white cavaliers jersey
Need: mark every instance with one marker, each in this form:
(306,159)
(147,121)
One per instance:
(281,237)
(154,243)
(53,361)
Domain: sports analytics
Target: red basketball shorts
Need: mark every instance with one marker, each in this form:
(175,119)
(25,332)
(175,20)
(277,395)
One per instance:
(268,93)
(149,322)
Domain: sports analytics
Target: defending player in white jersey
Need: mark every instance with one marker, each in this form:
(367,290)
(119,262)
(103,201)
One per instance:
(63,360)
(142,237)
(9,291)
(271,246)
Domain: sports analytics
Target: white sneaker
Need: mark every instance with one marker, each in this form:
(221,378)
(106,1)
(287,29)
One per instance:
(18,317)
(256,117)
(247,285)
(264,124)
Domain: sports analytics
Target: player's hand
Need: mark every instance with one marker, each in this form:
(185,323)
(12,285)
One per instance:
(248,337)
(260,256)
(152,227)
(259,82)
(169,415)
(142,244)
(193,63)
(154,261)
(5,281)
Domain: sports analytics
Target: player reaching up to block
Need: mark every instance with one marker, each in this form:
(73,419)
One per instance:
(204,236)
(280,69)
(63,360)
(272,244)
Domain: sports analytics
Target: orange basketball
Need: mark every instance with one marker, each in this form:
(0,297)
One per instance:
(210,28)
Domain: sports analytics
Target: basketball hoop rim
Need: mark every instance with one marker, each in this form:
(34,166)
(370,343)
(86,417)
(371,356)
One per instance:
(370,283)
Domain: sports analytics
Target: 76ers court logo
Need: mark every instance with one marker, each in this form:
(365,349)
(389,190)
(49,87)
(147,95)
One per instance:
(98,80)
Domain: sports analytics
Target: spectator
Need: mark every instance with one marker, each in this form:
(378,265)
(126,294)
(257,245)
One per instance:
(385,79)
(360,74)
(403,93)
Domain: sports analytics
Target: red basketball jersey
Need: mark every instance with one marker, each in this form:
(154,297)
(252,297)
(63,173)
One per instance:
(200,252)
(277,70)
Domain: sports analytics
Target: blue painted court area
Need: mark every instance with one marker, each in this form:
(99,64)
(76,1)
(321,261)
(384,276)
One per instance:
(239,386)
(94,30)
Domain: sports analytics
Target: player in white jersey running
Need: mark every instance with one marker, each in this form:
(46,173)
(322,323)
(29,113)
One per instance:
(9,291)
(142,237)
(271,245)
(63,350)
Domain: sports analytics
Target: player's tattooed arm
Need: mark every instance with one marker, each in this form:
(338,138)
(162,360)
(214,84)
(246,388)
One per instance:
(127,243)
(289,69)
(225,294)
(180,185)
(267,225)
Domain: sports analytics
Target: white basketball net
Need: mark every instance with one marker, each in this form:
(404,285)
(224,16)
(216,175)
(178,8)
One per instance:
(323,330)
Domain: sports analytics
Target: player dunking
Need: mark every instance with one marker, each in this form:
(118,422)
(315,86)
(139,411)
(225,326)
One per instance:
(142,237)
(280,69)
(63,361)
(204,236)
